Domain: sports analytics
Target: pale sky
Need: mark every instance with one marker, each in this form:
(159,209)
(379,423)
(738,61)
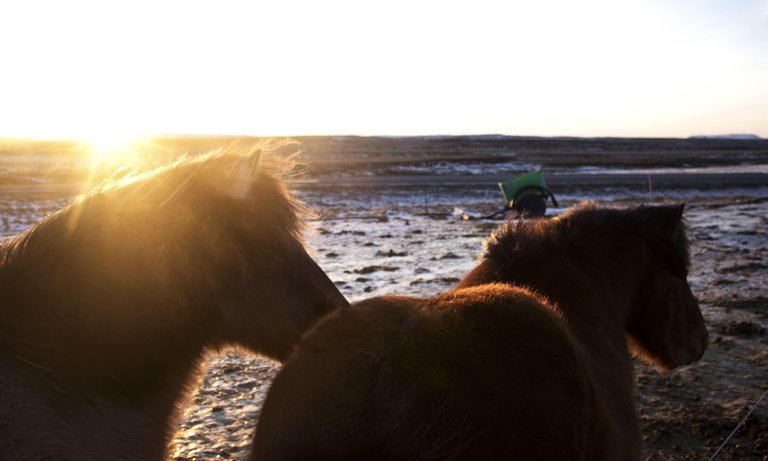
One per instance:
(108,69)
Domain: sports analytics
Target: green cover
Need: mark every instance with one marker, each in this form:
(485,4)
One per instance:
(531,183)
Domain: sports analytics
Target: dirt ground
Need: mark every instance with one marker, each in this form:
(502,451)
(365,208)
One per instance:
(688,413)
(684,414)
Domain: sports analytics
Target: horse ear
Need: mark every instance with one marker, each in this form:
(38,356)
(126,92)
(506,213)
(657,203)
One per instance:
(244,174)
(256,164)
(669,218)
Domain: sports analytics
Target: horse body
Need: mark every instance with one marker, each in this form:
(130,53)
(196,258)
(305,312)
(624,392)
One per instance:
(109,304)
(526,359)
(454,377)
(591,316)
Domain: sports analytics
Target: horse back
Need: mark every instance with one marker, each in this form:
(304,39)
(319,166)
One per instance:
(480,373)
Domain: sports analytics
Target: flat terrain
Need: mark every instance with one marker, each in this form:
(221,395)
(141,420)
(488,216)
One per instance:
(389,223)
(641,180)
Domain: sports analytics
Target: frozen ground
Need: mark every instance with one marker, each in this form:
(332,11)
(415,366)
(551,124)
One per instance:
(379,241)
(375,242)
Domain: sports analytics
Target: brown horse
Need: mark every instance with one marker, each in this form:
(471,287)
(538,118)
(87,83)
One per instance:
(526,359)
(109,304)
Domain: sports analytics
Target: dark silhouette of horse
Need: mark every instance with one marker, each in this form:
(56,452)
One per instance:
(109,304)
(527,359)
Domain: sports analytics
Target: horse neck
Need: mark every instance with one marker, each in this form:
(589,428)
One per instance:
(593,303)
(132,362)
(594,306)
(580,292)
(46,416)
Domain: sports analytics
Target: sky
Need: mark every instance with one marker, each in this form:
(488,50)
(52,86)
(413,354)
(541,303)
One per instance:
(112,70)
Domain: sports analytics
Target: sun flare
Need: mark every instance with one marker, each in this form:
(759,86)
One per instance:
(114,148)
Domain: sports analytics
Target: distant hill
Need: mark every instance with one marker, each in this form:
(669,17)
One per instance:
(60,162)
(744,137)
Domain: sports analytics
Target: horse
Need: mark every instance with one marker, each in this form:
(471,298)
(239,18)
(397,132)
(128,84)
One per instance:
(529,357)
(110,304)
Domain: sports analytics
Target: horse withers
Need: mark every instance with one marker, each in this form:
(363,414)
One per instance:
(528,358)
(109,304)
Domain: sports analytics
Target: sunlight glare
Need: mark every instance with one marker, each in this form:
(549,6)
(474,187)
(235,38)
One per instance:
(111,148)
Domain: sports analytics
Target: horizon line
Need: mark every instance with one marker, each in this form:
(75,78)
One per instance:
(160,135)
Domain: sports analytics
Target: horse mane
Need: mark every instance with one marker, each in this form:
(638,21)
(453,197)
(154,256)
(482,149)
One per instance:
(229,173)
(590,231)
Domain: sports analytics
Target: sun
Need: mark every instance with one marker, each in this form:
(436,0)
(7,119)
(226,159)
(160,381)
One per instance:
(111,147)
(109,152)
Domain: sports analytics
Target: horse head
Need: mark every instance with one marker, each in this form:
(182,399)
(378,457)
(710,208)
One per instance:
(269,290)
(665,326)
(206,251)
(637,258)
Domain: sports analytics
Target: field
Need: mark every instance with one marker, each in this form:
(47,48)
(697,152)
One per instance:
(389,221)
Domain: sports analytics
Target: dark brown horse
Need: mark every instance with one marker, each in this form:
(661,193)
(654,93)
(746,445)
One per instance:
(108,305)
(528,359)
